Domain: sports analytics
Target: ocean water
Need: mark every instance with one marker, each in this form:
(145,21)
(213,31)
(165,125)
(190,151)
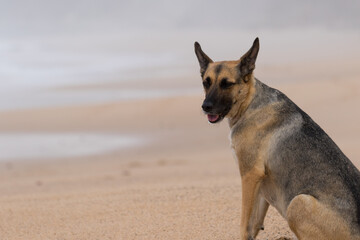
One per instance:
(27,146)
(32,70)
(39,98)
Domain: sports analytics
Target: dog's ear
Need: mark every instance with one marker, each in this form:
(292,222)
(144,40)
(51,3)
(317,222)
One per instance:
(247,61)
(203,59)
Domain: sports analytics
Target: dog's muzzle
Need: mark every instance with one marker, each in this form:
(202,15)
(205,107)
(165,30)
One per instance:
(211,112)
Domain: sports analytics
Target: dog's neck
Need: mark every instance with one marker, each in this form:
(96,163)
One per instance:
(243,106)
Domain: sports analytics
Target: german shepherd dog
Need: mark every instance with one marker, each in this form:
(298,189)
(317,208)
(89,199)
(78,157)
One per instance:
(285,158)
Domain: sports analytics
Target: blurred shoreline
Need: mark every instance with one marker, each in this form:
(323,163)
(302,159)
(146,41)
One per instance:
(123,67)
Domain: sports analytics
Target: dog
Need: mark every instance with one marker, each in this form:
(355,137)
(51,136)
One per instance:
(285,159)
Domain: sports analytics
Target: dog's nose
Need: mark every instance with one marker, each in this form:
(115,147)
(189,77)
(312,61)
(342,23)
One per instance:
(207,106)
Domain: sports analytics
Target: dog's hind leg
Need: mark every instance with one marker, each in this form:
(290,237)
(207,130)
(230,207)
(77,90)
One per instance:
(258,215)
(310,219)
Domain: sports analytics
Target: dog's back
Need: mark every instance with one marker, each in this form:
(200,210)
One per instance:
(303,159)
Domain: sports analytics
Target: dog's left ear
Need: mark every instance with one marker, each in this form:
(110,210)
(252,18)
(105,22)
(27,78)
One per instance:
(247,61)
(203,59)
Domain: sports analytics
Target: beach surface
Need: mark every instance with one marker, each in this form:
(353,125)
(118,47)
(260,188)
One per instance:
(178,181)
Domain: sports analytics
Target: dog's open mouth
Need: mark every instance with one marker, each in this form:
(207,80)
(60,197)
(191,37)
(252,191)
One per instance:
(214,118)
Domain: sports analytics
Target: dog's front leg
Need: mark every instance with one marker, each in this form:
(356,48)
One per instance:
(250,196)
(257,217)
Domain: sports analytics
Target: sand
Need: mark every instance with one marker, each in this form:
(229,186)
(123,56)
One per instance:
(181,184)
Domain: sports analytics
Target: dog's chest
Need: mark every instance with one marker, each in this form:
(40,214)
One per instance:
(248,148)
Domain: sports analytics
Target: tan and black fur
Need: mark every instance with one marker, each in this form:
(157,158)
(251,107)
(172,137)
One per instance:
(285,158)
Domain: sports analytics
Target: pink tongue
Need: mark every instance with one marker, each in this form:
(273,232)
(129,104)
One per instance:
(212,118)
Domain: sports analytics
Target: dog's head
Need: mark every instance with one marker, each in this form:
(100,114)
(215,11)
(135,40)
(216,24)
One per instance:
(226,83)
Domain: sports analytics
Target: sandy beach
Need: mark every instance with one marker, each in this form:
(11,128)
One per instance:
(181,182)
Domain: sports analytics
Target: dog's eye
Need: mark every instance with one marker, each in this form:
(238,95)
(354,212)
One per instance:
(225,83)
(207,83)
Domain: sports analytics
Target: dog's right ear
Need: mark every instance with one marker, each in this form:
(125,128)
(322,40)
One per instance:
(203,59)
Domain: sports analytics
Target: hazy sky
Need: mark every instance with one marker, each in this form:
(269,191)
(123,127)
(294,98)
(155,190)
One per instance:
(37,17)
